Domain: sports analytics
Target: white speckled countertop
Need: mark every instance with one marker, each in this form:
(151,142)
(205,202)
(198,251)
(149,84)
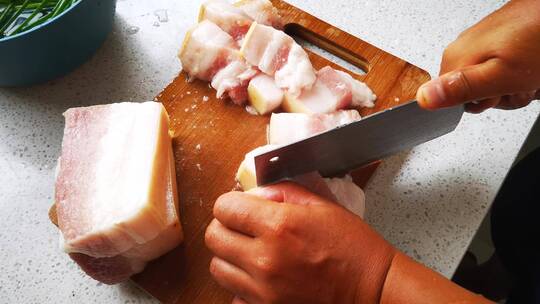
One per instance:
(428,201)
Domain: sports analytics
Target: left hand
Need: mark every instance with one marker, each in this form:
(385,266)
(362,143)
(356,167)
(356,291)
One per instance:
(283,244)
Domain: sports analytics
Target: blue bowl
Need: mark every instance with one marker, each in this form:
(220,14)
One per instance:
(58,46)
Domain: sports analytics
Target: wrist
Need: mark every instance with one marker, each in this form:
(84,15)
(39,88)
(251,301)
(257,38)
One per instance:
(373,274)
(408,281)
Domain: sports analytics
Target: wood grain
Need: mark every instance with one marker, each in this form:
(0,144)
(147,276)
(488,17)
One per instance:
(211,138)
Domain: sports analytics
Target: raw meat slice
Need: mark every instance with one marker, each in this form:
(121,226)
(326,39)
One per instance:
(286,128)
(333,90)
(229,18)
(277,54)
(112,189)
(234,80)
(206,50)
(340,190)
(262,11)
(347,194)
(264,95)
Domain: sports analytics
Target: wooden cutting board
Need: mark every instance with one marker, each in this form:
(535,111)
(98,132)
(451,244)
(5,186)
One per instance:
(211,137)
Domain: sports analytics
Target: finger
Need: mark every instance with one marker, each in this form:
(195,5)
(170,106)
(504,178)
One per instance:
(288,192)
(516,101)
(234,279)
(481,106)
(476,82)
(227,244)
(238,300)
(246,213)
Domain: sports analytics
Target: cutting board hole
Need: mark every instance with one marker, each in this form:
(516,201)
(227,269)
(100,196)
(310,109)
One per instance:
(327,49)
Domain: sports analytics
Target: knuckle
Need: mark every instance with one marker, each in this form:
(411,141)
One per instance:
(280,225)
(266,265)
(224,203)
(214,267)
(270,297)
(219,205)
(210,234)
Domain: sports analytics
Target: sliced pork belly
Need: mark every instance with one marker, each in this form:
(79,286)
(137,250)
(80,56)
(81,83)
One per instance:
(286,128)
(340,190)
(233,80)
(264,94)
(206,50)
(333,90)
(262,11)
(229,18)
(115,191)
(347,194)
(278,55)
(362,95)
(210,54)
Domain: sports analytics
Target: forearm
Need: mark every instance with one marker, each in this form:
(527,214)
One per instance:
(410,282)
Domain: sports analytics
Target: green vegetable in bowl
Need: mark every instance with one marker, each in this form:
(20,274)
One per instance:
(17,16)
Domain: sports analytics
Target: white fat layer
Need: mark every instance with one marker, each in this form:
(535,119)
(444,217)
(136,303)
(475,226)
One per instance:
(348,194)
(265,95)
(231,76)
(205,44)
(124,172)
(319,99)
(224,14)
(298,73)
(362,96)
(278,41)
(261,11)
(286,128)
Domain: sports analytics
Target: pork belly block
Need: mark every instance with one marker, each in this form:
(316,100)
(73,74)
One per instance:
(286,128)
(333,90)
(206,50)
(115,192)
(262,11)
(277,54)
(228,17)
(264,95)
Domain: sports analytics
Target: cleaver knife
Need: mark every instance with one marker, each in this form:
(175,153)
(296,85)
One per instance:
(354,145)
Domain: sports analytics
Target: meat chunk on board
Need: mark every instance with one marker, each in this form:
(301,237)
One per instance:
(210,54)
(115,192)
(333,90)
(262,12)
(235,19)
(277,54)
(340,190)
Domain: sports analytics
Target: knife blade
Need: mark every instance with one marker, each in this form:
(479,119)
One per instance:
(351,146)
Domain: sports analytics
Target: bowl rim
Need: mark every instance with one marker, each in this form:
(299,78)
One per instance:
(43,24)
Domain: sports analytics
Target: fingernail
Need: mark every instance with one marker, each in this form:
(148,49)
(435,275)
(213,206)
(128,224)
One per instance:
(431,93)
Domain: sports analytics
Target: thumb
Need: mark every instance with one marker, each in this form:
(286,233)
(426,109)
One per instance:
(477,82)
(288,192)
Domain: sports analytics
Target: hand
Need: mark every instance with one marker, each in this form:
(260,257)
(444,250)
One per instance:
(495,63)
(283,244)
